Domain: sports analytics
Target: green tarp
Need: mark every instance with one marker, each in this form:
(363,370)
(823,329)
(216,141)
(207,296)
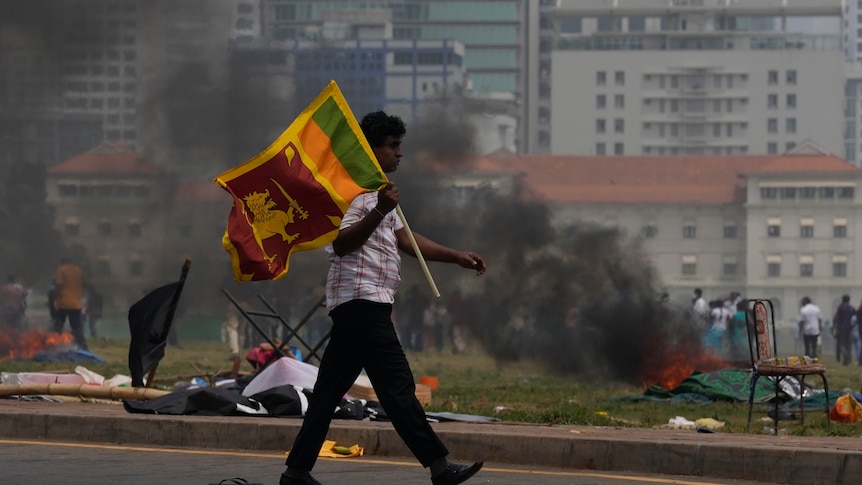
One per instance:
(721,385)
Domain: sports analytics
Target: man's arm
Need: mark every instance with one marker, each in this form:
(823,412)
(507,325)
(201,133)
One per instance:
(351,238)
(432,251)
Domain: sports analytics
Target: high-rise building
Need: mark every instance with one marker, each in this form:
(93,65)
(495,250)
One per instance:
(635,77)
(500,61)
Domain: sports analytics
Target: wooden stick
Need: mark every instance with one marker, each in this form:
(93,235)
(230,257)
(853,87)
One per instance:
(84,390)
(418,252)
(151,375)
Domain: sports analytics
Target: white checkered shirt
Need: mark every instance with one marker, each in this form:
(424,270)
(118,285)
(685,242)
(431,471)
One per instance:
(373,271)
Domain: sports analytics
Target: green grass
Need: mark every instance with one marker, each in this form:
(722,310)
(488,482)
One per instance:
(474,383)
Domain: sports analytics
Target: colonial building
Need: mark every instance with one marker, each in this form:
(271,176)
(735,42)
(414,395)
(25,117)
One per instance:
(131,223)
(781,227)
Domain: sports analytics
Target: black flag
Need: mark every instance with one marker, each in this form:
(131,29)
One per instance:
(149,323)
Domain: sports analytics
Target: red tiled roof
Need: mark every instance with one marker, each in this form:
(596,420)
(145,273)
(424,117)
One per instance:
(644,179)
(200,191)
(110,157)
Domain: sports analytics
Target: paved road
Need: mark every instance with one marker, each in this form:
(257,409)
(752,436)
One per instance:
(38,462)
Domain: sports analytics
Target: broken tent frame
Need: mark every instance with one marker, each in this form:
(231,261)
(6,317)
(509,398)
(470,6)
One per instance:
(293,333)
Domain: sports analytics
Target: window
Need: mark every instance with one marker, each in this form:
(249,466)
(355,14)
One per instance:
(619,125)
(791,101)
(620,78)
(839,266)
(649,230)
(789,146)
(773,227)
(600,149)
(791,77)
(773,78)
(600,126)
(619,101)
(104,228)
(806,266)
(103,267)
(619,149)
(787,192)
(689,265)
(68,190)
(730,230)
(807,192)
(839,227)
(674,105)
(768,193)
(771,149)
(773,266)
(806,228)
(601,101)
(790,125)
(772,101)
(845,192)
(601,78)
(689,229)
(729,266)
(135,229)
(772,125)
(827,193)
(716,130)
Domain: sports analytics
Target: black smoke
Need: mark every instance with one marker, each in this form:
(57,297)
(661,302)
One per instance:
(582,298)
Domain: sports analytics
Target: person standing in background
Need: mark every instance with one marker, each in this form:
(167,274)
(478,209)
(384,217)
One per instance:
(69,283)
(13,304)
(842,328)
(810,326)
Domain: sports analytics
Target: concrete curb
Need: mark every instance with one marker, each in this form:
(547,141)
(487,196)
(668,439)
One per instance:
(782,459)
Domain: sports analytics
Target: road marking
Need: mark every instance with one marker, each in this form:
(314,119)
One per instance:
(370,461)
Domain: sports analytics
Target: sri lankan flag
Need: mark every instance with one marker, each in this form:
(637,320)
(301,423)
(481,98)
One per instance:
(293,195)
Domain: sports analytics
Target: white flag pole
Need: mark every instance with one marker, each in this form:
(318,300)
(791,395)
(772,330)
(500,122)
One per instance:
(417,251)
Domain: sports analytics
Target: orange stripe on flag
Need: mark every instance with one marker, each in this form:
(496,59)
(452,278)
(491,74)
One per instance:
(317,145)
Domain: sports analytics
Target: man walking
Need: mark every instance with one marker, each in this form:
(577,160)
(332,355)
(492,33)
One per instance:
(364,272)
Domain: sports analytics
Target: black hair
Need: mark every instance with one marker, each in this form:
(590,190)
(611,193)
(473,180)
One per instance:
(845,298)
(698,292)
(378,125)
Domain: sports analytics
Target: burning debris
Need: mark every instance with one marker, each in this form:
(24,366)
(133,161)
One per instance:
(36,344)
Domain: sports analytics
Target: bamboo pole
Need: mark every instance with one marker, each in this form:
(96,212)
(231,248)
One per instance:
(83,390)
(418,252)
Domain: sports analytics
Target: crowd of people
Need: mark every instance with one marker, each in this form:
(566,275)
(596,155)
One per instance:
(69,298)
(722,322)
(725,332)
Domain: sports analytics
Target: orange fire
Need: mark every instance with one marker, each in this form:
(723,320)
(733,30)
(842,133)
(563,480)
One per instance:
(16,344)
(668,367)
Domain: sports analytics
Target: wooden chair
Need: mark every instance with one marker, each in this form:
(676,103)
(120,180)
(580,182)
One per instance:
(763,349)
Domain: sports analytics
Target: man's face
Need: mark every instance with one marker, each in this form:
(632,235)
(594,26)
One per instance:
(389,154)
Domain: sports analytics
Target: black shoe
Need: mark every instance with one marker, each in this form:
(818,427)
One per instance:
(456,473)
(307,479)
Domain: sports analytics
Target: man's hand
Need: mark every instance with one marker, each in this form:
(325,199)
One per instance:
(387,198)
(471,260)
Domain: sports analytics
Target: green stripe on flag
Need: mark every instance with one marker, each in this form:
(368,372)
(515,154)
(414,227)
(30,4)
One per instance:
(346,145)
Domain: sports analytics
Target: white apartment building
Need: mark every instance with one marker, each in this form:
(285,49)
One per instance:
(694,77)
(775,226)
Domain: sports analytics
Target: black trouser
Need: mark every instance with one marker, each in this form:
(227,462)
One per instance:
(74,323)
(843,339)
(363,336)
(810,345)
